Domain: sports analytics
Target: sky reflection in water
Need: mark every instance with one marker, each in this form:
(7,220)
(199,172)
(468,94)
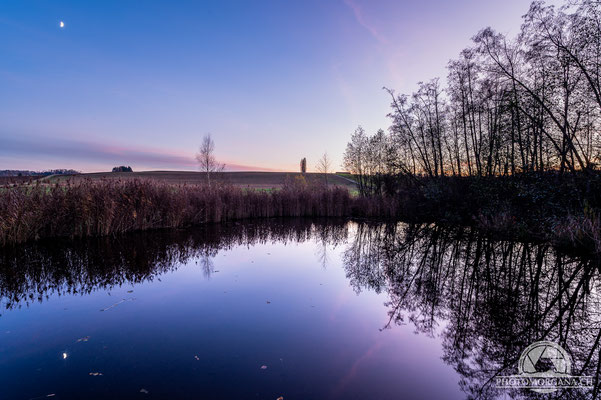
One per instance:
(330,309)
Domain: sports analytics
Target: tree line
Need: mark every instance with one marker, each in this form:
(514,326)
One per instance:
(530,103)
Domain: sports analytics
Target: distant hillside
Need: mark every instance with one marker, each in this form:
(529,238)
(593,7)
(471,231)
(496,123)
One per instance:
(16,172)
(257,180)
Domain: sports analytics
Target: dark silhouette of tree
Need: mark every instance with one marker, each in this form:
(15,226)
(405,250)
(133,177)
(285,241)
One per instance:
(122,169)
(509,105)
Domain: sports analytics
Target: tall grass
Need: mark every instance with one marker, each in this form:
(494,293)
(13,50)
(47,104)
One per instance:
(97,208)
(543,207)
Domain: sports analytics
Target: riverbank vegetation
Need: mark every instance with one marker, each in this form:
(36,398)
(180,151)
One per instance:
(526,207)
(108,207)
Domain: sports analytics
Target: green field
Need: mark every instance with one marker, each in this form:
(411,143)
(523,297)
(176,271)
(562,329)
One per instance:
(254,180)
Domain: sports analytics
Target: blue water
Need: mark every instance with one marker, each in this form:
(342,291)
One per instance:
(215,314)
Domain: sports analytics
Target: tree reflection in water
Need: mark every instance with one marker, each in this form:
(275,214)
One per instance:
(493,297)
(33,272)
(486,299)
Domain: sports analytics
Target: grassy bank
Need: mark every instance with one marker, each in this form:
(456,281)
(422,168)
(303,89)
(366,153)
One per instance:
(106,207)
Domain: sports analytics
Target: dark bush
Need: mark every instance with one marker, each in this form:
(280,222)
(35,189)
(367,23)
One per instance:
(123,168)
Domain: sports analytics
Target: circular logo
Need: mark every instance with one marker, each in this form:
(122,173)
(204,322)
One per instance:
(545,360)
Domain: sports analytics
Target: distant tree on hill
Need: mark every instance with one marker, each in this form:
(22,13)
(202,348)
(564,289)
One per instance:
(60,172)
(303,165)
(324,166)
(123,168)
(206,158)
(8,172)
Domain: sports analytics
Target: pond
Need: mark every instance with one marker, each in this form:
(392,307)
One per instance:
(290,309)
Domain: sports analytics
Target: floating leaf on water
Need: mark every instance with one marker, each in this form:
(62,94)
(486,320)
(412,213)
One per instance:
(117,303)
(263,366)
(143,391)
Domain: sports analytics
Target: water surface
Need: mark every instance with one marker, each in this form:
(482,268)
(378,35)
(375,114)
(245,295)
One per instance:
(293,309)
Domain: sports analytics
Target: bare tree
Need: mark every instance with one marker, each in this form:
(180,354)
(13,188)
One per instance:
(354,157)
(531,103)
(324,166)
(206,158)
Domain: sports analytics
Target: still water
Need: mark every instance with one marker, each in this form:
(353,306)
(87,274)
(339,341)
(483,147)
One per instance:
(292,309)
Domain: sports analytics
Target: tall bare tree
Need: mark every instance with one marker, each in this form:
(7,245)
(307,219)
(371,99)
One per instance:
(324,166)
(206,158)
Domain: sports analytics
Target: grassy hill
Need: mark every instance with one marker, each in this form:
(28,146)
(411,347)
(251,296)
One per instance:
(256,180)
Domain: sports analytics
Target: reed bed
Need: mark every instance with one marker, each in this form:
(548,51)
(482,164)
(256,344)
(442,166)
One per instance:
(108,207)
(85,208)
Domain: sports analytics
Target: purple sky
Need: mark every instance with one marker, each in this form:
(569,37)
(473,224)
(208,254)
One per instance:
(272,81)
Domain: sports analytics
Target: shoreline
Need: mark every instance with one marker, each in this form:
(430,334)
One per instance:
(112,207)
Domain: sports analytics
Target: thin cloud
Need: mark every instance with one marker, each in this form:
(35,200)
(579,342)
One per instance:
(360,17)
(87,152)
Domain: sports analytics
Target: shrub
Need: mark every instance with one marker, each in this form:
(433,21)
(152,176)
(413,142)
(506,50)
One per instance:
(123,168)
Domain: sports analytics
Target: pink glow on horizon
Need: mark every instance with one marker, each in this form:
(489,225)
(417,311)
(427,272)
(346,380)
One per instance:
(98,157)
